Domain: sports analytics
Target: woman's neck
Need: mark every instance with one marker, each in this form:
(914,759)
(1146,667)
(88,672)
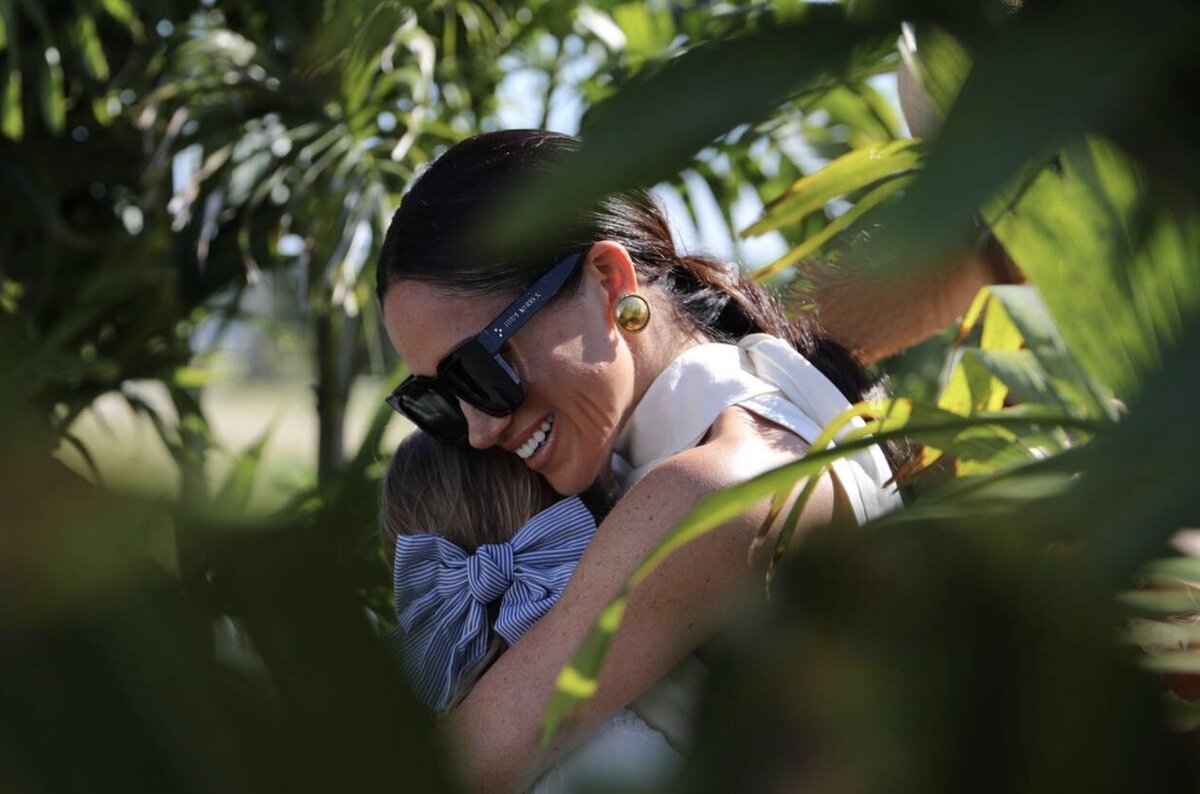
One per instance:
(653,353)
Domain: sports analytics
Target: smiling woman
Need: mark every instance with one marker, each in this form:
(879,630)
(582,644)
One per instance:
(712,385)
(475,371)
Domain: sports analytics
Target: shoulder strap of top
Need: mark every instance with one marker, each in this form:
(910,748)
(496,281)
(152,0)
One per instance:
(766,375)
(806,398)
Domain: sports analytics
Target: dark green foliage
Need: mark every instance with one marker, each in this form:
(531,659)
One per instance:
(968,642)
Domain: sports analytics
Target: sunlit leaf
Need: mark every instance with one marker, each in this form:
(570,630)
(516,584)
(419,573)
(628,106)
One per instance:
(971,388)
(861,168)
(53,102)
(1116,268)
(1027,311)
(647,31)
(868,202)
(123,12)
(12,117)
(1010,112)
(868,117)
(1175,601)
(90,47)
(1182,569)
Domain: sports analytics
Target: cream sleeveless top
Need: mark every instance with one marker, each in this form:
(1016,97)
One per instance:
(764,375)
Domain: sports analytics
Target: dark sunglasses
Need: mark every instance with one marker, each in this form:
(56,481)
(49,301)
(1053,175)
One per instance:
(475,372)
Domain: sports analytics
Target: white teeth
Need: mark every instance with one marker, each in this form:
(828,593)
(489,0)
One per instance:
(531,445)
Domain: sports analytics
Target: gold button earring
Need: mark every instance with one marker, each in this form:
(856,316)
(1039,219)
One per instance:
(631,312)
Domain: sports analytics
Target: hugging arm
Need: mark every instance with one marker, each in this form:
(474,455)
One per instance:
(877,315)
(494,734)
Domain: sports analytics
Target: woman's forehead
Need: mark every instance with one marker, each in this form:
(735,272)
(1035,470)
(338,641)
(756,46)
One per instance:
(425,322)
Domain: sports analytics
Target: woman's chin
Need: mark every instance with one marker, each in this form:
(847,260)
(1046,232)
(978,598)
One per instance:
(562,465)
(564,484)
(572,480)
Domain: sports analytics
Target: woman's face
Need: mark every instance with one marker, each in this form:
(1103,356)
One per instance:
(576,367)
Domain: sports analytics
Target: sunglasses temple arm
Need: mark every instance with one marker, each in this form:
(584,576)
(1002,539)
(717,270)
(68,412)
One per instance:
(527,304)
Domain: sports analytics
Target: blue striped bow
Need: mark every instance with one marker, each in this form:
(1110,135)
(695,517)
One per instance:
(442,593)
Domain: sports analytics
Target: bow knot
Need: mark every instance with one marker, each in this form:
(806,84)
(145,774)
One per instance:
(490,572)
(443,593)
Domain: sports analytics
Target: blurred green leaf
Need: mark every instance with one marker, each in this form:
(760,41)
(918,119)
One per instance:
(1182,569)
(1155,636)
(938,61)
(873,198)
(859,169)
(1028,312)
(1161,602)
(636,139)
(90,47)
(1011,114)
(972,388)
(1022,373)
(123,12)
(647,32)
(12,117)
(1130,499)
(1116,268)
(54,109)
(235,492)
(869,117)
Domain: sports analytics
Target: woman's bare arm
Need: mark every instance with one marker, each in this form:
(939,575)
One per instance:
(494,734)
(877,314)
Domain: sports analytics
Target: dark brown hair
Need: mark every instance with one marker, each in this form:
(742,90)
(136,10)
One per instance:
(468,496)
(425,242)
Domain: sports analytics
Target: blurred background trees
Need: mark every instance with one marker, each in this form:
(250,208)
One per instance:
(193,370)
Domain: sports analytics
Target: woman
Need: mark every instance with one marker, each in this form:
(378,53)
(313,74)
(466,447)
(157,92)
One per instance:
(608,341)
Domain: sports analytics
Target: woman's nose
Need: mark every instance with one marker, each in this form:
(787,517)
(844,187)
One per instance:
(483,430)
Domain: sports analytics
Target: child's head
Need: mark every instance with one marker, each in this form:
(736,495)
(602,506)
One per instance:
(468,496)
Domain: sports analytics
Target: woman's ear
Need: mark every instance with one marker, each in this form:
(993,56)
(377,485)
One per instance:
(612,267)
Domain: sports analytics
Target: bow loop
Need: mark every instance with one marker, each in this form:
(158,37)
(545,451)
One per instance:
(443,593)
(490,572)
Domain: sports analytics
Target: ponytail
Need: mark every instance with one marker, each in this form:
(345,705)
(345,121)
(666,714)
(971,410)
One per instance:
(728,306)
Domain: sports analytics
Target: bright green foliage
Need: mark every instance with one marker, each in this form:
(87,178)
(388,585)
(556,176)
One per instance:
(1115,262)
(862,167)
(12,120)
(977,638)
(54,106)
(869,201)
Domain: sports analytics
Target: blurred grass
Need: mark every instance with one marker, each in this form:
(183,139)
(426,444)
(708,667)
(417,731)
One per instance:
(131,456)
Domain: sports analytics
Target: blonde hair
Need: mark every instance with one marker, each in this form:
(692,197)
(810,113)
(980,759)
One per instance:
(468,496)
